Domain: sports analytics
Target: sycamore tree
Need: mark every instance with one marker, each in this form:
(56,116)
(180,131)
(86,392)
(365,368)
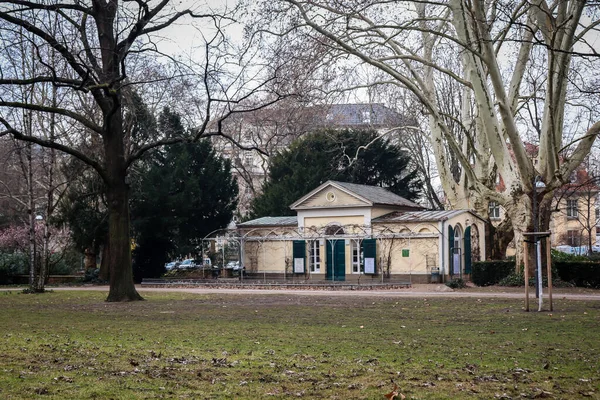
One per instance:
(356,156)
(491,76)
(97,53)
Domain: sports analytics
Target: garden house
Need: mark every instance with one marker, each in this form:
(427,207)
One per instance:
(351,232)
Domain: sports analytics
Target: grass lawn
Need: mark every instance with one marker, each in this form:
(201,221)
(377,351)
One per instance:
(73,345)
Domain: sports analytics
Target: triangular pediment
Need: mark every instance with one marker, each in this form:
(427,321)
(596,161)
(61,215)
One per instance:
(330,195)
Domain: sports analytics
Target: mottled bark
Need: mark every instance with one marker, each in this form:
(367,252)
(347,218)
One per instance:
(89,261)
(501,237)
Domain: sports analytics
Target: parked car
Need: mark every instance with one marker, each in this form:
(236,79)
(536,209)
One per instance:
(187,264)
(171,265)
(234,265)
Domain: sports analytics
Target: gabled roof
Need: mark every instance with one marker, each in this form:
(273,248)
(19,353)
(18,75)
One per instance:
(374,195)
(422,216)
(270,221)
(351,115)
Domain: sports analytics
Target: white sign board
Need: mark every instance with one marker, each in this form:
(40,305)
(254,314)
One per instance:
(456,263)
(298,265)
(369,265)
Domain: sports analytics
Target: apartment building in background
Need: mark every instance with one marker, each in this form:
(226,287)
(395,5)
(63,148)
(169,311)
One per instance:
(256,136)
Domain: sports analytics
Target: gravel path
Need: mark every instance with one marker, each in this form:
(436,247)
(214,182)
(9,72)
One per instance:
(417,290)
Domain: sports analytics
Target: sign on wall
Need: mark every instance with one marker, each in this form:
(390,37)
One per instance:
(298,265)
(369,265)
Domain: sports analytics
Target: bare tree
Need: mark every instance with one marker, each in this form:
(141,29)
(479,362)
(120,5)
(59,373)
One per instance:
(101,51)
(467,62)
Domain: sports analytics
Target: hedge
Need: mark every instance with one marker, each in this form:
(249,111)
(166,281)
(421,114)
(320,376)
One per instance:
(581,273)
(486,273)
(12,264)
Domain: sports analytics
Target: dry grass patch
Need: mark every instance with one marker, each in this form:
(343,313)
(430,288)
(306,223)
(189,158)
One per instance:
(73,345)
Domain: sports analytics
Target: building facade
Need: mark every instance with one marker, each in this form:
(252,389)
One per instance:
(360,233)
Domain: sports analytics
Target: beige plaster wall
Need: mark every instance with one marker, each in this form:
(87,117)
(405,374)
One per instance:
(561,223)
(270,256)
(416,262)
(343,220)
(379,211)
(342,199)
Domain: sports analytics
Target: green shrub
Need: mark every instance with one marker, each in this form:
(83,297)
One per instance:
(11,264)
(485,273)
(66,263)
(559,256)
(512,280)
(456,283)
(580,273)
(93,276)
(516,280)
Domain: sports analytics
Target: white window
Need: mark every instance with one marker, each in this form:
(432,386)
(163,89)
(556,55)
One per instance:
(366,117)
(315,256)
(573,177)
(457,240)
(572,208)
(494,210)
(573,238)
(248,159)
(356,256)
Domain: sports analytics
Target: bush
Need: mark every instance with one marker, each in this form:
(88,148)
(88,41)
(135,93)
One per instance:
(512,280)
(580,273)
(486,273)
(518,279)
(66,263)
(11,264)
(93,276)
(456,283)
(559,256)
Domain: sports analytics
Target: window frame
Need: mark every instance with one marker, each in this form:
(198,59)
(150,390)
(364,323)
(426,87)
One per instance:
(356,255)
(573,238)
(314,256)
(494,210)
(572,209)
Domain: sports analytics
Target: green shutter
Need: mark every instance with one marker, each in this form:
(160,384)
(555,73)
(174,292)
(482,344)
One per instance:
(450,250)
(299,254)
(369,248)
(468,250)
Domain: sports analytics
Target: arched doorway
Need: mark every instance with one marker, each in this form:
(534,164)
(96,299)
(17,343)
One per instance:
(455,237)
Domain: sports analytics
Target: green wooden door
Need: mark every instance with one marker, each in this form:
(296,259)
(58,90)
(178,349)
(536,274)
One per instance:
(451,250)
(370,256)
(336,260)
(468,254)
(299,256)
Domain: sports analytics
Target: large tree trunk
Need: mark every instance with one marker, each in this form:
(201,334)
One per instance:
(119,256)
(520,213)
(89,260)
(104,273)
(501,236)
(119,244)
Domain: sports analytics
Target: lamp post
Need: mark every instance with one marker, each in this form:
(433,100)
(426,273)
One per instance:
(538,185)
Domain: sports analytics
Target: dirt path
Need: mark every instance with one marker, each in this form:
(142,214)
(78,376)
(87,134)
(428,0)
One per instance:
(417,290)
